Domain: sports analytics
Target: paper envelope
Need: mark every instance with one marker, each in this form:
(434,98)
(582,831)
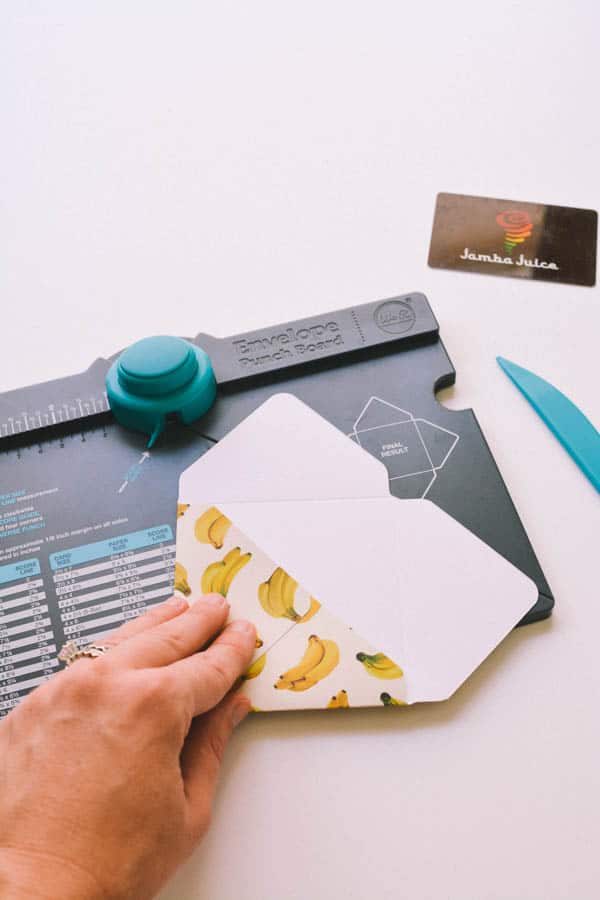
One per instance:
(359,598)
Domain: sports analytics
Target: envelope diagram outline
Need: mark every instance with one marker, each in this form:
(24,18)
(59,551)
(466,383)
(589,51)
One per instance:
(413,449)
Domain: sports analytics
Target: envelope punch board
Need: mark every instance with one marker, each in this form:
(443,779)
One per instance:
(87,513)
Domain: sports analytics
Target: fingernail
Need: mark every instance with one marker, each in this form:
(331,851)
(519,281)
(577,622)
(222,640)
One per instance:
(177,603)
(243,627)
(240,711)
(211,599)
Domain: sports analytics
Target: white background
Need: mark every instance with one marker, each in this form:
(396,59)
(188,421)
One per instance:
(174,167)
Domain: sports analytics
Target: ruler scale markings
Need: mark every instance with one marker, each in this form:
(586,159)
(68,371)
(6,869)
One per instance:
(54,413)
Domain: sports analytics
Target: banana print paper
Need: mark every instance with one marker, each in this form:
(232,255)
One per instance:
(306,658)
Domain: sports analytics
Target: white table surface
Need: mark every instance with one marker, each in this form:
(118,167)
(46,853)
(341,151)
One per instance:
(175,167)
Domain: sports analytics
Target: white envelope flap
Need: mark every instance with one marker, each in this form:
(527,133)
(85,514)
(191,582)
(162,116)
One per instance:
(284,450)
(403,574)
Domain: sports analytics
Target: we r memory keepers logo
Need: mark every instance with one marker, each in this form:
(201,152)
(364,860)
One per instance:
(517,228)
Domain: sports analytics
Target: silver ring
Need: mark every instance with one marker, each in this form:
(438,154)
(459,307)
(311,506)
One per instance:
(71,651)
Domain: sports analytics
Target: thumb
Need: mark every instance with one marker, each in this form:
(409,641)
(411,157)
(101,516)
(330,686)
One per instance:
(203,753)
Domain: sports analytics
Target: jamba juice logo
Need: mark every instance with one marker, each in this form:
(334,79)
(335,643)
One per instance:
(517,228)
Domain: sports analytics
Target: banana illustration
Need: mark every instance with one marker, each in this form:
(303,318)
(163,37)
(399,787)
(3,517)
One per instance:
(181,582)
(203,523)
(208,576)
(320,659)
(339,701)
(258,643)
(256,668)
(313,656)
(211,527)
(181,508)
(218,531)
(217,577)
(276,596)
(313,609)
(287,591)
(231,567)
(380,665)
(331,658)
(387,700)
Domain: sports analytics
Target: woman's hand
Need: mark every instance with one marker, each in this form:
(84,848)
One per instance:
(108,770)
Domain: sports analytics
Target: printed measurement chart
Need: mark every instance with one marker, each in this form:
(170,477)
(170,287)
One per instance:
(27,642)
(100,585)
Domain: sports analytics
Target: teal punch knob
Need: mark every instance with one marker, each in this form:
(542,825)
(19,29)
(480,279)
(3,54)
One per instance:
(159,377)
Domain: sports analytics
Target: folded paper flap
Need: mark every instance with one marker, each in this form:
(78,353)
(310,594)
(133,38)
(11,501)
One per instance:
(306,657)
(342,552)
(283,450)
(403,574)
(466,599)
